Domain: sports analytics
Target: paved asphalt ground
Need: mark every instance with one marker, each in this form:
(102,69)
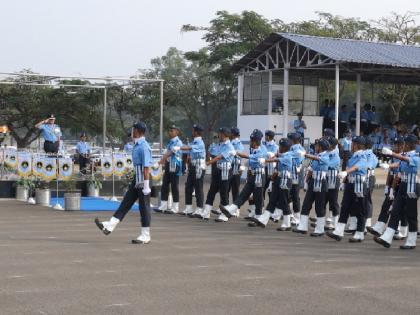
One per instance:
(54,262)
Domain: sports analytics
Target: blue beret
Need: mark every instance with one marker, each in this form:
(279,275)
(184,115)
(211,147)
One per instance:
(368,141)
(140,126)
(359,140)
(410,139)
(270,133)
(324,144)
(399,140)
(224,130)
(197,127)
(284,143)
(235,131)
(256,135)
(83,134)
(332,141)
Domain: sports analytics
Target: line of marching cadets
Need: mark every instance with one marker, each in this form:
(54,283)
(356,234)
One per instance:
(275,169)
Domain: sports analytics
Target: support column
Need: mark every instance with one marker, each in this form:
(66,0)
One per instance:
(161,117)
(285,100)
(337,97)
(240,96)
(104,123)
(358,102)
(270,93)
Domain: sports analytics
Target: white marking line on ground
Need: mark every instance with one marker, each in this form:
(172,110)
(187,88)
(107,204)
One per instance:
(78,261)
(243,295)
(349,288)
(116,250)
(51,237)
(324,273)
(105,271)
(15,277)
(117,304)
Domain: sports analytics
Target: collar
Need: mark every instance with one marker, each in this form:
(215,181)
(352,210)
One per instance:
(359,152)
(197,138)
(271,142)
(138,140)
(236,139)
(226,142)
(174,138)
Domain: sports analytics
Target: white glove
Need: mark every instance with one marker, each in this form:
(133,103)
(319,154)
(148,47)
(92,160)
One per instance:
(155,166)
(386,190)
(387,151)
(391,194)
(342,174)
(233,152)
(270,187)
(146,188)
(270,154)
(342,185)
(175,149)
(305,186)
(261,160)
(302,153)
(384,166)
(242,168)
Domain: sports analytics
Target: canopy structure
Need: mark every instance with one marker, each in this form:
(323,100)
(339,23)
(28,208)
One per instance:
(99,83)
(332,58)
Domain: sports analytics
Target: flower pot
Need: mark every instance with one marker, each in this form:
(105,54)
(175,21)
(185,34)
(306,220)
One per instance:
(43,197)
(22,193)
(72,201)
(92,191)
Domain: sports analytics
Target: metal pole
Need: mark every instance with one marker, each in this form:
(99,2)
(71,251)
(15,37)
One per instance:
(358,102)
(104,124)
(337,97)
(161,117)
(285,100)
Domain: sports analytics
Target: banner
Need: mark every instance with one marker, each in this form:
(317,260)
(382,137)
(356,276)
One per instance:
(38,166)
(119,164)
(106,165)
(50,169)
(24,167)
(65,170)
(10,158)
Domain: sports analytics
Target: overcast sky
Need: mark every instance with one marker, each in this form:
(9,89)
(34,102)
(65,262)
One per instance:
(117,37)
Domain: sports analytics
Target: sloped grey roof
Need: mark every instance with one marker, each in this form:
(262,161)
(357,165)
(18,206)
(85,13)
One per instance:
(359,51)
(344,51)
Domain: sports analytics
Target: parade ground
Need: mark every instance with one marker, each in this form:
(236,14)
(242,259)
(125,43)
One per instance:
(56,262)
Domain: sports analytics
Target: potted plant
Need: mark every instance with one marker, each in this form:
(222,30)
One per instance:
(42,193)
(93,186)
(24,186)
(72,196)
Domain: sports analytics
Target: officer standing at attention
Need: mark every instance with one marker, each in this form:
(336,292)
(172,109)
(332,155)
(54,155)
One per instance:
(51,134)
(300,126)
(235,180)
(223,160)
(272,149)
(83,151)
(139,189)
(255,180)
(196,172)
(172,161)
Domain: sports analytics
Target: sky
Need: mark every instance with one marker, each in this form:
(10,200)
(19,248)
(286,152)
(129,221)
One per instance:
(117,37)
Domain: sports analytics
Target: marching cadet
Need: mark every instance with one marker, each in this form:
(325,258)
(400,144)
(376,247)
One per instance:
(172,161)
(51,134)
(391,189)
(139,188)
(281,183)
(333,183)
(296,148)
(196,172)
(317,189)
(354,193)
(372,162)
(235,180)
(406,199)
(271,147)
(223,161)
(83,151)
(255,180)
(212,152)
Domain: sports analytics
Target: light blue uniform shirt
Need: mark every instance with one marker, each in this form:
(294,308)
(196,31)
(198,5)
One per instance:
(334,160)
(371,159)
(358,159)
(198,149)
(254,156)
(284,162)
(142,153)
(297,158)
(323,163)
(174,142)
(271,146)
(297,125)
(413,165)
(237,145)
(83,147)
(225,151)
(346,144)
(214,149)
(128,147)
(50,132)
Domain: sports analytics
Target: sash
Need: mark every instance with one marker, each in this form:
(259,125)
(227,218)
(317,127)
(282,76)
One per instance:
(284,180)
(359,181)
(224,167)
(295,175)
(139,175)
(318,177)
(199,165)
(332,179)
(236,165)
(412,185)
(258,173)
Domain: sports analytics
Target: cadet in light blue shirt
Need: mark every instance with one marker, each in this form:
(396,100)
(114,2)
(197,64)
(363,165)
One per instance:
(83,151)
(235,180)
(333,184)
(51,134)
(172,162)
(272,149)
(139,189)
(297,160)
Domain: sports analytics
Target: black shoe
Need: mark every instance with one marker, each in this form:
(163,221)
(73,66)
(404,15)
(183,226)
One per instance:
(398,238)
(300,231)
(373,231)
(284,229)
(407,247)
(138,242)
(225,212)
(101,227)
(256,222)
(215,212)
(312,219)
(328,228)
(248,218)
(349,231)
(218,220)
(333,236)
(355,240)
(158,210)
(317,234)
(381,242)
(252,224)
(313,225)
